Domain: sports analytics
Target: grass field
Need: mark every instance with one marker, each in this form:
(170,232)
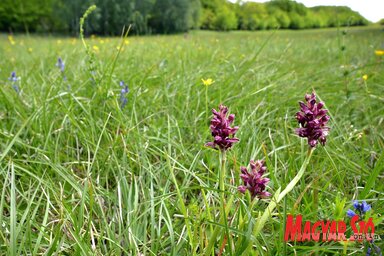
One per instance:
(82,176)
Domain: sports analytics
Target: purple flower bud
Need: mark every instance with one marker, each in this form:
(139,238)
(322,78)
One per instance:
(253,180)
(312,119)
(223,134)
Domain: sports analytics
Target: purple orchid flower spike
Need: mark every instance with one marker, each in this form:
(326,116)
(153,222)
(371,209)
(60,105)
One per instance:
(222,132)
(312,119)
(253,180)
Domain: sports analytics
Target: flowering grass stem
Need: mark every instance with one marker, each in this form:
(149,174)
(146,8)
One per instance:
(206,102)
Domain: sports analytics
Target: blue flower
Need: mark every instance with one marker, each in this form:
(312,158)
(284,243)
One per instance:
(60,64)
(124,91)
(14,79)
(365,207)
(377,250)
(362,207)
(350,213)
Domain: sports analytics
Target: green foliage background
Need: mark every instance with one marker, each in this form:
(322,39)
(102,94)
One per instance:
(169,16)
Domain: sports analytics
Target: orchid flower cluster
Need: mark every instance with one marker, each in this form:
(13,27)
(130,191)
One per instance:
(222,132)
(312,118)
(253,180)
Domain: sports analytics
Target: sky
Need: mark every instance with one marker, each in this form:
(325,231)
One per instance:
(372,10)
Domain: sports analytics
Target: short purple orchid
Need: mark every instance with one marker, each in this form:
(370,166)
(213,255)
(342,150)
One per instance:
(221,130)
(313,120)
(253,180)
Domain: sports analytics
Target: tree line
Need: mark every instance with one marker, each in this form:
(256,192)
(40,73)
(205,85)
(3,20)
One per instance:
(168,16)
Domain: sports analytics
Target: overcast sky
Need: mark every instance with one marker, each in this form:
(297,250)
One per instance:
(372,10)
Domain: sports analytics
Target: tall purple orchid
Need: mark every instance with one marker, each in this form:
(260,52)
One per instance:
(223,139)
(313,120)
(222,132)
(253,180)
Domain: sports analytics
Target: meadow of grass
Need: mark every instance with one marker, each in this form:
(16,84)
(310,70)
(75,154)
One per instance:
(82,176)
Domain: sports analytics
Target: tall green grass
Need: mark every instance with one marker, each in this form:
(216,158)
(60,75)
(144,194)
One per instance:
(81,176)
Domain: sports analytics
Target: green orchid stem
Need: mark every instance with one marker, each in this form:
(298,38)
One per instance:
(223,214)
(223,160)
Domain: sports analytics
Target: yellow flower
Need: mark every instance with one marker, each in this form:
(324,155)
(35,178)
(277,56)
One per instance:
(30,50)
(11,40)
(118,48)
(379,52)
(126,41)
(208,81)
(96,48)
(365,77)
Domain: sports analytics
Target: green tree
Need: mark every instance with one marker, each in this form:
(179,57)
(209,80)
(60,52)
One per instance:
(170,16)
(226,19)
(19,15)
(282,18)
